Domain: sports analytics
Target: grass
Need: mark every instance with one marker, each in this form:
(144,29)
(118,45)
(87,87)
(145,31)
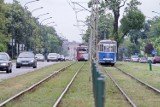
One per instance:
(46,95)
(14,85)
(140,95)
(80,94)
(114,98)
(142,72)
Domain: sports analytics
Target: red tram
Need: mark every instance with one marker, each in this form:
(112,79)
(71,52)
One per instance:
(82,53)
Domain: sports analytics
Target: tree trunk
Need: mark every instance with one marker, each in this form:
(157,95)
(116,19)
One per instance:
(115,25)
(115,30)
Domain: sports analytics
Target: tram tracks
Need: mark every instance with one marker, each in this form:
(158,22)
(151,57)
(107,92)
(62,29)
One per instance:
(36,86)
(140,94)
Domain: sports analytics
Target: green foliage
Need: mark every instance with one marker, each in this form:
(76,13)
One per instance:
(86,36)
(154,33)
(132,5)
(53,43)
(133,20)
(105,26)
(3,34)
(32,37)
(157,46)
(130,48)
(132,25)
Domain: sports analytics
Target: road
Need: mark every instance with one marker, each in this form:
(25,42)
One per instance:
(22,70)
(157,64)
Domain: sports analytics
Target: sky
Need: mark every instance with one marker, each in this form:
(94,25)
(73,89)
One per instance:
(65,17)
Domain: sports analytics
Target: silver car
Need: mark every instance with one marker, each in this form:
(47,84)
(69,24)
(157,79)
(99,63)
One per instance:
(5,62)
(40,57)
(52,57)
(26,59)
(134,58)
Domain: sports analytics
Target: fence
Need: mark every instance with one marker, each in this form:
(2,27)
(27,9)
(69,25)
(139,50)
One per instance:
(98,79)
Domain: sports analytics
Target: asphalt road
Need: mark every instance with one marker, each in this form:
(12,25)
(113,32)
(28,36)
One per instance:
(22,70)
(157,64)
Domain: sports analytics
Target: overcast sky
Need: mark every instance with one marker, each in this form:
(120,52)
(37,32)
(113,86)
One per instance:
(65,18)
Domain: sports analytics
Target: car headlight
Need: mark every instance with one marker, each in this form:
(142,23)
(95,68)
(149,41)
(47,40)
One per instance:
(4,64)
(18,60)
(32,61)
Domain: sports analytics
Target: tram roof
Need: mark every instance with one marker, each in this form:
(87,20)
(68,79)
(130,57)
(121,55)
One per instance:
(107,41)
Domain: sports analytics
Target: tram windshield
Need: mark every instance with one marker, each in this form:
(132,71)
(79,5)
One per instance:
(108,47)
(82,50)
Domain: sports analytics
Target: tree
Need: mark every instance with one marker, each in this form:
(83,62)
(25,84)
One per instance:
(32,37)
(115,6)
(133,20)
(148,48)
(104,27)
(4,39)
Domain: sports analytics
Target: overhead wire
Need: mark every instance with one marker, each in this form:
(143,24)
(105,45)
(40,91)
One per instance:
(76,10)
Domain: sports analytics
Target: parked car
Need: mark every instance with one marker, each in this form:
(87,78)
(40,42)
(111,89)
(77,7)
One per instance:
(62,58)
(67,58)
(26,59)
(156,59)
(52,57)
(134,58)
(40,57)
(127,59)
(59,57)
(143,60)
(5,62)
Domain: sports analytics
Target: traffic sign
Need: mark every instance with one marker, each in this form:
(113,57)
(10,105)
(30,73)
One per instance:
(154,52)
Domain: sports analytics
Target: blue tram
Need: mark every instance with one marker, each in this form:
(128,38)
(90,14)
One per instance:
(107,50)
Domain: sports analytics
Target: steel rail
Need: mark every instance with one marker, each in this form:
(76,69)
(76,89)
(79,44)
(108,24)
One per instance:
(67,88)
(34,85)
(142,82)
(122,91)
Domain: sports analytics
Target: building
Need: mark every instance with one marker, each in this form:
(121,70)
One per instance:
(69,49)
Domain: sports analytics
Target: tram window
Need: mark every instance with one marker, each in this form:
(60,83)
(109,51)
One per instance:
(82,51)
(113,48)
(101,47)
(106,48)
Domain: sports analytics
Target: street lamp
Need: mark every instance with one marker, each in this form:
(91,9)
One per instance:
(45,19)
(41,26)
(30,2)
(155,31)
(155,12)
(30,31)
(50,23)
(46,50)
(38,27)
(12,26)
(23,24)
(42,15)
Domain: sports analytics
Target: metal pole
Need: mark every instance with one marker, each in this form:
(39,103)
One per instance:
(155,12)
(47,41)
(41,15)
(38,27)
(12,26)
(97,20)
(23,23)
(30,26)
(41,28)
